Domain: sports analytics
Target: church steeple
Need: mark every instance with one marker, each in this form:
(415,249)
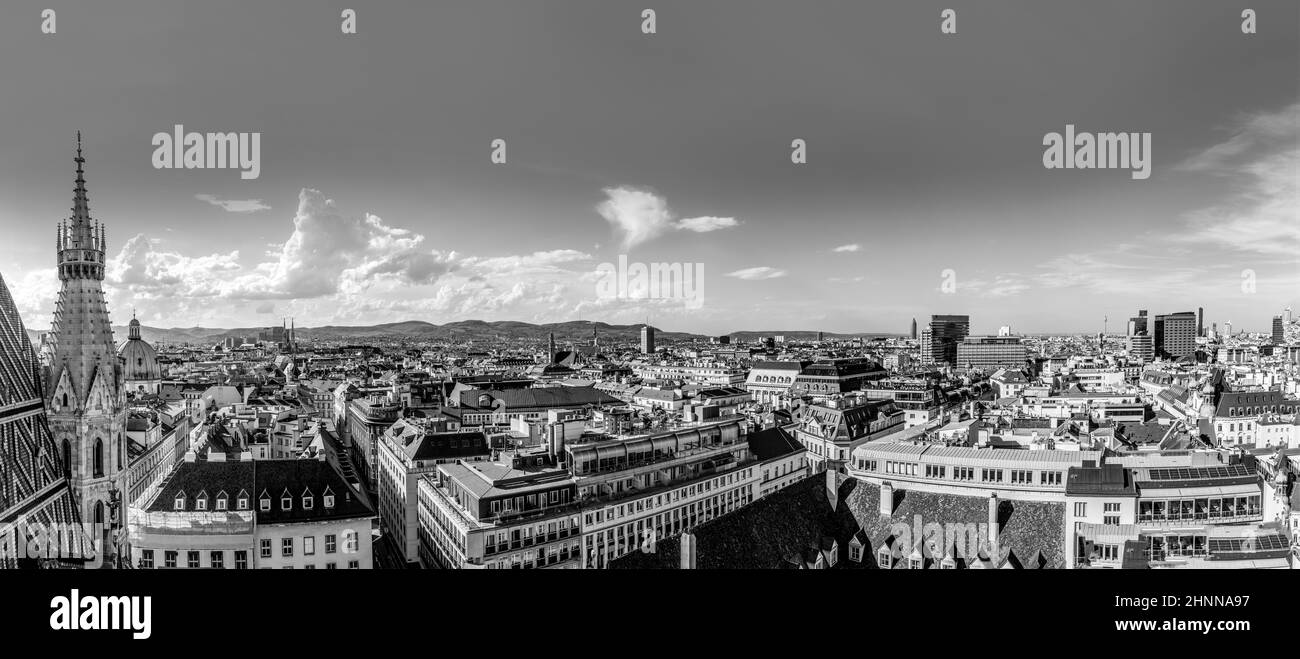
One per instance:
(81,241)
(85,396)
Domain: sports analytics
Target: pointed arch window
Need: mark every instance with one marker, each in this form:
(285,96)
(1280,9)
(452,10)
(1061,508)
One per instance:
(99,458)
(67,458)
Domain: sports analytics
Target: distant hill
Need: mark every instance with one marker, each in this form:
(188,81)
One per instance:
(576,331)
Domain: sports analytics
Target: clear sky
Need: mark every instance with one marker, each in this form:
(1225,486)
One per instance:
(377,200)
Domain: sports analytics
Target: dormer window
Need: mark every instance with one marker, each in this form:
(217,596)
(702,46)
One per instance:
(329,500)
(180,501)
(242,502)
(265,504)
(307,502)
(222,502)
(286,501)
(201,502)
(885,558)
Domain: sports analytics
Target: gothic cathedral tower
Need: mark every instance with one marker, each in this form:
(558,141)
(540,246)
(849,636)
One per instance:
(83,376)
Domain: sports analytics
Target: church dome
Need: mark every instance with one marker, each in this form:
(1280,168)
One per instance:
(141,360)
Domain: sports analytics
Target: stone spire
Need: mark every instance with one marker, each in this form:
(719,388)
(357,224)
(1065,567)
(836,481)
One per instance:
(85,395)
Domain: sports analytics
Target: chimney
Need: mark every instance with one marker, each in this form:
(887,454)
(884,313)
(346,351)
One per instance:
(688,551)
(993,523)
(886,499)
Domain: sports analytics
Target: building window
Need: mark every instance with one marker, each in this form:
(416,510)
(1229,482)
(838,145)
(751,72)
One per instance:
(222,502)
(241,560)
(349,542)
(1080,509)
(265,504)
(169,559)
(201,503)
(354,565)
(99,458)
(266,547)
(179,504)
(286,546)
(192,560)
(146,558)
(306,503)
(331,566)
(309,545)
(286,503)
(218,559)
(331,543)
(329,500)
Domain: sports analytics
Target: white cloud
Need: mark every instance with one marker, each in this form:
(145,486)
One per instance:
(852,247)
(234,205)
(757,273)
(640,216)
(706,223)
(328,250)
(143,270)
(1261,159)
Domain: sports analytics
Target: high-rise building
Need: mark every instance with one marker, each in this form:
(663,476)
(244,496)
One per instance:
(84,379)
(647,340)
(945,333)
(913,329)
(1200,321)
(1138,324)
(35,490)
(1279,337)
(1175,335)
(1141,347)
(988,352)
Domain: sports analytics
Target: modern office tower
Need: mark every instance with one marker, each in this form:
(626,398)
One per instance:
(1200,321)
(1279,336)
(913,329)
(647,340)
(1175,335)
(945,333)
(1138,324)
(821,336)
(1141,348)
(988,352)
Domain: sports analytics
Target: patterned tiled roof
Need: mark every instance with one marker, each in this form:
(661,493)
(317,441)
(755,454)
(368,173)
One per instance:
(32,482)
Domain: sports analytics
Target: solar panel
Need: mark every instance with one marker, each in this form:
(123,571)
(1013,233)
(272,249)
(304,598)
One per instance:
(1198,473)
(1258,543)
